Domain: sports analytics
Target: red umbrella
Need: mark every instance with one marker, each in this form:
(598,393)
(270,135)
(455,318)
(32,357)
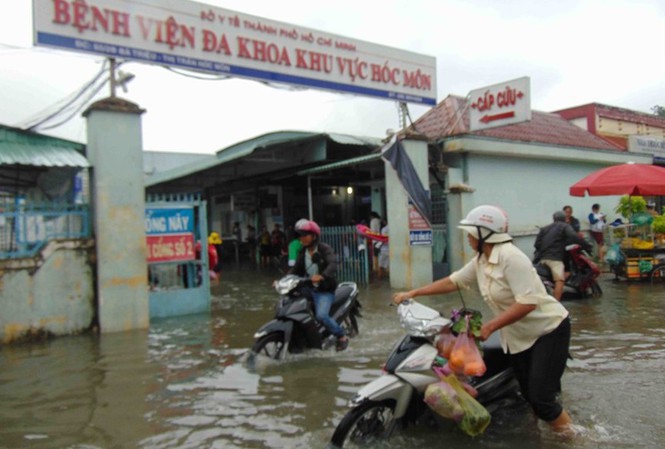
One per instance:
(624,179)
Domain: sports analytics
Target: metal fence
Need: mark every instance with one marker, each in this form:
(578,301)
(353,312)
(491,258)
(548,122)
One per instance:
(25,227)
(352,252)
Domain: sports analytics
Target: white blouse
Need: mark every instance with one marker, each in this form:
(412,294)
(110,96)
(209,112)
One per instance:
(507,277)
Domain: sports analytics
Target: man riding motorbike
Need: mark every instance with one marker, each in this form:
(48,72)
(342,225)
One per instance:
(551,245)
(318,260)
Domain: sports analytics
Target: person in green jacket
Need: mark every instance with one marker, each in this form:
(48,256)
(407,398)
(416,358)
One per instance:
(294,249)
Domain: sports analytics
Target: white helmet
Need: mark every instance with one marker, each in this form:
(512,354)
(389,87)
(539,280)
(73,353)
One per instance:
(489,224)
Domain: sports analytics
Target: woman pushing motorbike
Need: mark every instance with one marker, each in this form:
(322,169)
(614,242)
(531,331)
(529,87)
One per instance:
(534,327)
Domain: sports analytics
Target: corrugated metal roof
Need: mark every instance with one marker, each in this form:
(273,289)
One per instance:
(247,147)
(19,147)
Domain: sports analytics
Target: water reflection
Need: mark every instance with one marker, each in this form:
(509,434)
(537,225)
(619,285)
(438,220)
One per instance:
(188,383)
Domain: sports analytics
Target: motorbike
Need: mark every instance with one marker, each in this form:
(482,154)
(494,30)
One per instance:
(582,281)
(295,329)
(396,397)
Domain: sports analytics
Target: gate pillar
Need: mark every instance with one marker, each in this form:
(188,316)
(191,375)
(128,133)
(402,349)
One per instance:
(118,203)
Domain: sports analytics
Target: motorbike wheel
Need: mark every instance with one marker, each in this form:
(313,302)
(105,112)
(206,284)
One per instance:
(596,291)
(364,424)
(658,275)
(350,324)
(271,345)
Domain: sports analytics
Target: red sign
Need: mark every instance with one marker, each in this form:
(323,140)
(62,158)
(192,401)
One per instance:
(170,248)
(416,221)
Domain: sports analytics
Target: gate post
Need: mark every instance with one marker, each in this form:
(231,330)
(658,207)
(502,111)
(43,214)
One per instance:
(118,202)
(410,265)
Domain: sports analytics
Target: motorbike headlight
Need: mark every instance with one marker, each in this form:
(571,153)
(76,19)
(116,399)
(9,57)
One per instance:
(286,284)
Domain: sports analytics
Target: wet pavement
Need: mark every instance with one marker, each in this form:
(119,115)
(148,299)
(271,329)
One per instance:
(187,383)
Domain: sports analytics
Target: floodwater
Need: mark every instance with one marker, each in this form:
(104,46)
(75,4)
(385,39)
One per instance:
(186,382)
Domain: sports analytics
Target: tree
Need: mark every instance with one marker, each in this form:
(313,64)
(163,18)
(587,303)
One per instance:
(659,110)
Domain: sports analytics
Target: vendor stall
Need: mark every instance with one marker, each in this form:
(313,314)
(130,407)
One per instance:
(633,251)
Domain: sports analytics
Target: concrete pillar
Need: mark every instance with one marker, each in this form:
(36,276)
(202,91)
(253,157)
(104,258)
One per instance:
(410,266)
(118,202)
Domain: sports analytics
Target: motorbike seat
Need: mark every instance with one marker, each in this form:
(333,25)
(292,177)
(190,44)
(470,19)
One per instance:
(342,293)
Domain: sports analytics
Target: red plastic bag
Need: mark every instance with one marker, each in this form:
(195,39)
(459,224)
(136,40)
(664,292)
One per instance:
(465,357)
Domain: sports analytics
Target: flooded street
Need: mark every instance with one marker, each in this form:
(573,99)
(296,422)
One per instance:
(187,383)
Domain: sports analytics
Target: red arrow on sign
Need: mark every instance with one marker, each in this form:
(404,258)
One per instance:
(491,118)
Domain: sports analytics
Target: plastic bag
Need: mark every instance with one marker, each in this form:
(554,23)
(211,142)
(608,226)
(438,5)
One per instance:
(445,343)
(614,255)
(465,357)
(641,218)
(442,398)
(476,417)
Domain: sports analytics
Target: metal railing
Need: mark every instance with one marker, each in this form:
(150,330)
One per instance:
(351,250)
(25,227)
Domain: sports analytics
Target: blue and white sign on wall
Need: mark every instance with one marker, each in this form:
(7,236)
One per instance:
(420,237)
(420,232)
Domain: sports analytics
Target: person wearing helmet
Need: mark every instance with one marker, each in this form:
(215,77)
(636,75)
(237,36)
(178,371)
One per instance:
(319,261)
(214,248)
(551,245)
(534,327)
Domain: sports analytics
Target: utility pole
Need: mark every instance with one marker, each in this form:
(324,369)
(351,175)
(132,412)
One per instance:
(112,80)
(403,113)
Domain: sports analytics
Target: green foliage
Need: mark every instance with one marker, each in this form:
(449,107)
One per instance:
(629,205)
(475,321)
(659,224)
(659,110)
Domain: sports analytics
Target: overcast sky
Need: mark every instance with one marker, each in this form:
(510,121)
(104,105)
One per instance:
(575,52)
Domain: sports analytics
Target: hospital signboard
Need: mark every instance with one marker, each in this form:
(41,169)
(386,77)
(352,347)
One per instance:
(196,36)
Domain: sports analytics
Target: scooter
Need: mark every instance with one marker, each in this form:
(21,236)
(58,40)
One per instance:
(295,328)
(582,281)
(397,395)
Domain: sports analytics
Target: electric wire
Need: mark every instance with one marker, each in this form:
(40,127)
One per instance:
(68,103)
(198,77)
(83,104)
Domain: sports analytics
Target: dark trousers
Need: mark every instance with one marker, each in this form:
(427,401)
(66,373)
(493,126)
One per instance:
(539,370)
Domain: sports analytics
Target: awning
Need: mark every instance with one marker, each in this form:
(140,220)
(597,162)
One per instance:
(248,147)
(24,148)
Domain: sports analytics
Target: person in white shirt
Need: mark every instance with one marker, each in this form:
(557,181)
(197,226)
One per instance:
(534,327)
(597,222)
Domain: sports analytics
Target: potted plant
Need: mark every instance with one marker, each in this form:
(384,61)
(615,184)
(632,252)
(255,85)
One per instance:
(659,228)
(629,205)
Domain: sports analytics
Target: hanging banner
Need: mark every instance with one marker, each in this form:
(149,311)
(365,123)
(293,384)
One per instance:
(200,37)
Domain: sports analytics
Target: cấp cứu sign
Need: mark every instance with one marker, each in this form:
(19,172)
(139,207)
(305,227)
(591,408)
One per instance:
(200,37)
(170,234)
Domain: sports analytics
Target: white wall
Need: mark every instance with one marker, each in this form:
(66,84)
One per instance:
(529,190)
